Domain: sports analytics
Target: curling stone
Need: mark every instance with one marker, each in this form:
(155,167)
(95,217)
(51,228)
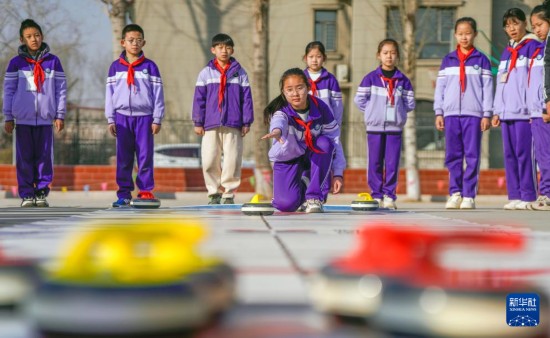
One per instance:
(385,282)
(364,203)
(17,280)
(145,203)
(132,280)
(258,206)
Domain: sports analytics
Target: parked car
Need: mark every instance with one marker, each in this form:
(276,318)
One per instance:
(186,155)
(183,155)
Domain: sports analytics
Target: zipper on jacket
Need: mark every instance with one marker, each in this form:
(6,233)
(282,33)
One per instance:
(35,101)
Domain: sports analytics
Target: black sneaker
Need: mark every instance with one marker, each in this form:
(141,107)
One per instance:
(215,199)
(228,200)
(40,199)
(27,202)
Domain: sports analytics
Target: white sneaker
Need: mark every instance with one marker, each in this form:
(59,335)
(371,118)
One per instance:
(542,203)
(522,205)
(314,206)
(379,200)
(511,205)
(454,202)
(468,203)
(389,203)
(302,207)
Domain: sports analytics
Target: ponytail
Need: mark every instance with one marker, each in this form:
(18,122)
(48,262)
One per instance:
(273,106)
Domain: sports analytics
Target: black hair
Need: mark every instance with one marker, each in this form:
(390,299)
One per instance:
(542,11)
(222,39)
(280,100)
(132,28)
(388,42)
(29,23)
(316,45)
(468,20)
(513,13)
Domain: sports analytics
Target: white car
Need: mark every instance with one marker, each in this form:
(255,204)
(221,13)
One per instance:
(183,155)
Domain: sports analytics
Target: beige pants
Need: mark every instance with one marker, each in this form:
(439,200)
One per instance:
(215,142)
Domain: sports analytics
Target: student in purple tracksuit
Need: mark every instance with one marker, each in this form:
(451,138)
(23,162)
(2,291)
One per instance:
(385,96)
(463,104)
(134,107)
(222,114)
(540,22)
(305,137)
(325,86)
(511,111)
(35,93)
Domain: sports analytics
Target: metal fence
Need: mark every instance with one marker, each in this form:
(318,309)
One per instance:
(86,140)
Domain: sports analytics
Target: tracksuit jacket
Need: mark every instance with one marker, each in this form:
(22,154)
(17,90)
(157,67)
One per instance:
(477,99)
(236,107)
(372,98)
(145,97)
(22,102)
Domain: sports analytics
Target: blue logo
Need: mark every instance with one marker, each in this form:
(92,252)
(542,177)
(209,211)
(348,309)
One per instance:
(539,57)
(522,309)
(48,70)
(476,67)
(144,71)
(521,57)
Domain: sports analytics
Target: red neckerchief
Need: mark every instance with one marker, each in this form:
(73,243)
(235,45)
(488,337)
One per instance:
(313,84)
(514,54)
(308,137)
(223,81)
(531,65)
(38,71)
(462,58)
(391,85)
(130,79)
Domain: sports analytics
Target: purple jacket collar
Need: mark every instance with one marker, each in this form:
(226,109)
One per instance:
(234,67)
(324,74)
(314,112)
(454,54)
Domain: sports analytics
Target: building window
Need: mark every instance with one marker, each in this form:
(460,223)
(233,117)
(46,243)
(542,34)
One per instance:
(434,30)
(325,28)
(427,136)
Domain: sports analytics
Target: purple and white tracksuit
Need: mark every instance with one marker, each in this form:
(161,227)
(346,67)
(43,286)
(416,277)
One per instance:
(292,157)
(511,106)
(34,112)
(384,127)
(328,90)
(134,109)
(236,107)
(537,105)
(463,111)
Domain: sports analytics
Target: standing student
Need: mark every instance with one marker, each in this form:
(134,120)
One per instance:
(305,136)
(540,22)
(385,96)
(134,108)
(511,111)
(463,104)
(35,93)
(324,86)
(222,114)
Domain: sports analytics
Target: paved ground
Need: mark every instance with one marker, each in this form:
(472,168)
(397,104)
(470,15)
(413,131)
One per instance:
(276,256)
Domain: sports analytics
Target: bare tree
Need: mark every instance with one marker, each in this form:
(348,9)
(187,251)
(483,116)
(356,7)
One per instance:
(118,14)
(262,170)
(407,10)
